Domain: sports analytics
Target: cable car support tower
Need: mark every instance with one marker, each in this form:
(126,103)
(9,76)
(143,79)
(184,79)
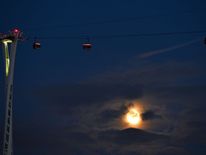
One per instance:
(9,44)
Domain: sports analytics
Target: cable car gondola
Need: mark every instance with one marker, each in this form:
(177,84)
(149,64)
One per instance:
(87,45)
(36,45)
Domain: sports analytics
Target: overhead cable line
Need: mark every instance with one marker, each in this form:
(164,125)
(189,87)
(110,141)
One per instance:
(121,35)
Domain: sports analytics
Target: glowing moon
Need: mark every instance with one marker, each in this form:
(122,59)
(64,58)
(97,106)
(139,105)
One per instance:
(133,117)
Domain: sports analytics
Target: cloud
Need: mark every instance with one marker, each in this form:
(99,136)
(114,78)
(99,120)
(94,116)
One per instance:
(130,136)
(150,115)
(95,105)
(164,50)
(171,150)
(120,142)
(86,94)
(111,113)
(83,104)
(64,141)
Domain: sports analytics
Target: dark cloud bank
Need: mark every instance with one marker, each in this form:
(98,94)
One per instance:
(174,114)
(83,118)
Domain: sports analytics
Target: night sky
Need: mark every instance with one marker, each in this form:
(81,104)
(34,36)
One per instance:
(70,101)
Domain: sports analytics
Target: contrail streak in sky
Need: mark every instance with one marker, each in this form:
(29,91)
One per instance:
(164,50)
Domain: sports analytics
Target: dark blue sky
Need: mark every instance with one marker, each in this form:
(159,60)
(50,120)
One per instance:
(70,101)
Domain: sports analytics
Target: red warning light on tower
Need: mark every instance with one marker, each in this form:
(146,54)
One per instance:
(16,30)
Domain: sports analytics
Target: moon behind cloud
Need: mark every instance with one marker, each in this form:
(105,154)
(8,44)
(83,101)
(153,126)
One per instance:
(132,117)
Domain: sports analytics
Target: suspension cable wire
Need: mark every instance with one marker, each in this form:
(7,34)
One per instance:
(194,32)
(152,34)
(112,21)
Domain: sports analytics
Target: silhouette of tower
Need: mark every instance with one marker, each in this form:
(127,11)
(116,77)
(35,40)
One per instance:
(9,44)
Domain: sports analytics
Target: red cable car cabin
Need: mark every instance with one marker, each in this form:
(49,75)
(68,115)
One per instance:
(36,45)
(87,46)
